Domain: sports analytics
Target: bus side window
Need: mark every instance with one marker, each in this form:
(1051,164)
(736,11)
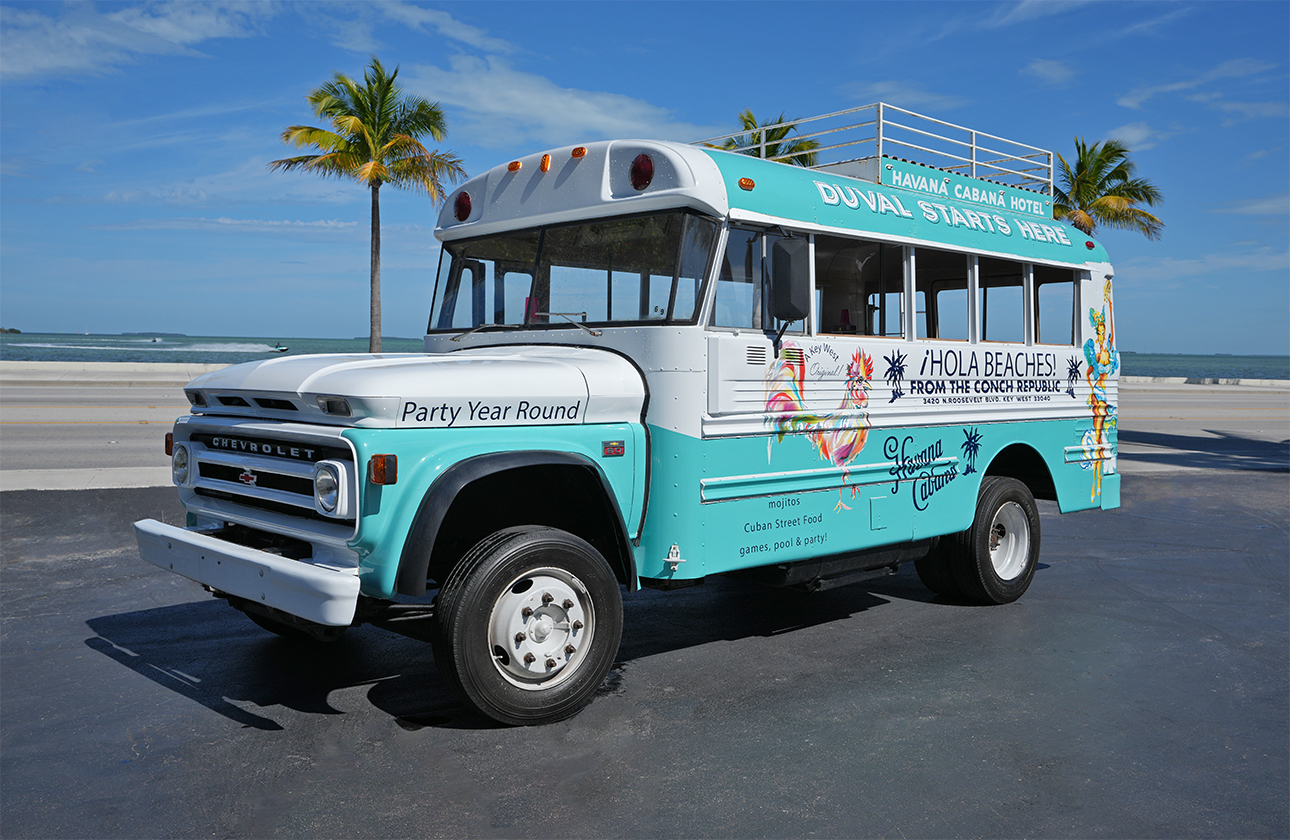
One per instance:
(940,284)
(859,287)
(1001,300)
(1054,305)
(744,282)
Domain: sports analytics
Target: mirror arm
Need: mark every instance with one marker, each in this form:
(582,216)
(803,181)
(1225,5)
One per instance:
(779,337)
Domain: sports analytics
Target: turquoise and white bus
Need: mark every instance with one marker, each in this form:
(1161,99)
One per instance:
(650,363)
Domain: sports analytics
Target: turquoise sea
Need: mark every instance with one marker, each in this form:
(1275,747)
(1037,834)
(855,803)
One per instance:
(231,350)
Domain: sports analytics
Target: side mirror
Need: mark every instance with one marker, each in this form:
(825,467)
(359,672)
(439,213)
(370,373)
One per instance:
(790,283)
(790,279)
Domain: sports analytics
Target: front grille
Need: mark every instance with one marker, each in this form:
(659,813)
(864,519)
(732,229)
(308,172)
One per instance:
(295,450)
(246,464)
(249,478)
(266,504)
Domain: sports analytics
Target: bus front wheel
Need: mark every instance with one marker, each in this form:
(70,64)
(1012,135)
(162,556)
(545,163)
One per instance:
(528,625)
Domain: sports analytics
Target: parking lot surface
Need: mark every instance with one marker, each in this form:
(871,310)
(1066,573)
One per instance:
(1139,689)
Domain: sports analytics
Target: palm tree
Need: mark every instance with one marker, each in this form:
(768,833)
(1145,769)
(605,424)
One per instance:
(1101,190)
(798,152)
(374,140)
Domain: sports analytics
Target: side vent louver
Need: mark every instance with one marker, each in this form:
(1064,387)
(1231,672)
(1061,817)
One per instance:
(757,356)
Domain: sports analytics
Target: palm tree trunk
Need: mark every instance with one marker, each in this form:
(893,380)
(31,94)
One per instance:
(374,341)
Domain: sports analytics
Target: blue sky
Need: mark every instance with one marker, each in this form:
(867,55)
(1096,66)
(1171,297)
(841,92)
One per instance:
(134,194)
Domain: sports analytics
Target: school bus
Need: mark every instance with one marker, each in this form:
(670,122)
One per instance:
(649,363)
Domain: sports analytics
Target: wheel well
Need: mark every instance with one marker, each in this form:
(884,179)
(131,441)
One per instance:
(567,496)
(1023,463)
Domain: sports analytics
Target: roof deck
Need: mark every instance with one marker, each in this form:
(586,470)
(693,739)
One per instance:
(888,145)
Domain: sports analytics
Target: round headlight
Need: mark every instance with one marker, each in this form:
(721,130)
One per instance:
(327,487)
(179,464)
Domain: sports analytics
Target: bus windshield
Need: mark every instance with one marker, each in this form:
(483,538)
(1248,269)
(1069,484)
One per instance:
(633,270)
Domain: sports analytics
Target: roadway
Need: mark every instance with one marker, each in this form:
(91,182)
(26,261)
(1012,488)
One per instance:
(1139,689)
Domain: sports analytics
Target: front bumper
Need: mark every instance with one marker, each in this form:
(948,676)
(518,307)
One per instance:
(315,592)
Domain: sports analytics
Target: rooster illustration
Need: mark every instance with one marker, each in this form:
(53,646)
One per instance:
(837,437)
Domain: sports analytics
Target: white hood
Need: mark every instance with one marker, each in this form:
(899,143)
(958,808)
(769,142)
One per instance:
(487,386)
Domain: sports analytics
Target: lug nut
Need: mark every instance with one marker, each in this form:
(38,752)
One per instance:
(547,597)
(519,637)
(550,663)
(577,625)
(568,605)
(526,612)
(529,658)
(570,650)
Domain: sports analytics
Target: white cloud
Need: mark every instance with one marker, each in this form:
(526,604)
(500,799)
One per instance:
(1139,136)
(903,94)
(83,40)
(1273,205)
(223,224)
(446,25)
(1218,265)
(1238,68)
(505,107)
(248,182)
(1052,72)
(351,26)
(1028,10)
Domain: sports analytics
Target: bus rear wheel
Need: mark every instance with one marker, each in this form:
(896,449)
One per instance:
(994,561)
(528,624)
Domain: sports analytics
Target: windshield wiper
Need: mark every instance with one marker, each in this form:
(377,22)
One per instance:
(568,316)
(473,330)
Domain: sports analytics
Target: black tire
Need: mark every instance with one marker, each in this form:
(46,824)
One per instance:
(300,631)
(936,571)
(492,611)
(994,561)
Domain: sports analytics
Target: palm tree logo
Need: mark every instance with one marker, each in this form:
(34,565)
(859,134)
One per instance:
(895,373)
(1072,374)
(971,446)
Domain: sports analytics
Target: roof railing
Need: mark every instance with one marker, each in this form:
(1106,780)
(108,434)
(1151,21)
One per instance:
(917,138)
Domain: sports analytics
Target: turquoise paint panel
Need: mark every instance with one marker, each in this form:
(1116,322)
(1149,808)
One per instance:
(793,193)
(707,499)
(424,454)
(1110,498)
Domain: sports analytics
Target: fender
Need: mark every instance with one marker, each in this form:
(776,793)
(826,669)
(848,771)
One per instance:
(414,562)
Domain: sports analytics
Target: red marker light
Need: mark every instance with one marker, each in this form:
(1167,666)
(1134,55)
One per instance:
(642,172)
(1088,243)
(461,207)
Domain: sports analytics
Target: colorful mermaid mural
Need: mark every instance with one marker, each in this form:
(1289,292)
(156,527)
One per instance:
(837,437)
(1103,361)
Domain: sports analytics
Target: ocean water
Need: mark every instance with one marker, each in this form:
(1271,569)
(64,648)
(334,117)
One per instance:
(226,350)
(208,350)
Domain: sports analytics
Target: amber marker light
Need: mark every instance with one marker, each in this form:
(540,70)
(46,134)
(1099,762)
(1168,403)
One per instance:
(514,167)
(383,469)
(579,151)
(746,183)
(170,443)
(546,163)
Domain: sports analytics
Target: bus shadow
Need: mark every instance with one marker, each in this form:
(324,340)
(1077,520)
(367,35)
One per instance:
(1225,451)
(213,655)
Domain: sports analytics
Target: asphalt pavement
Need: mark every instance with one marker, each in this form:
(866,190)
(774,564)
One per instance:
(1141,688)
